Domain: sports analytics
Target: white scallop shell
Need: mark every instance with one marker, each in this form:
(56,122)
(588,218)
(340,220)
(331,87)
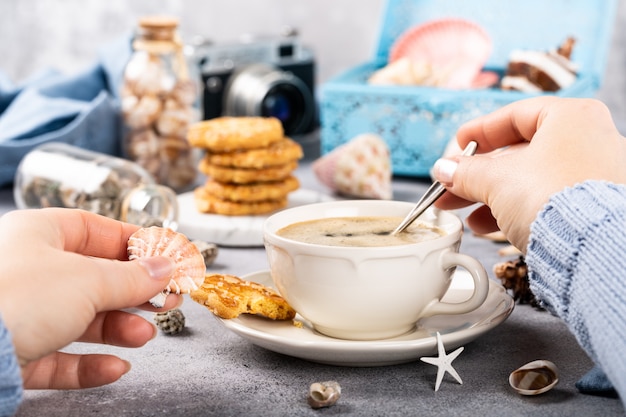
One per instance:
(157,241)
(535,377)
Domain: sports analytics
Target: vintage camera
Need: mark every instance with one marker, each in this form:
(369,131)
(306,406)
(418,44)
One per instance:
(260,77)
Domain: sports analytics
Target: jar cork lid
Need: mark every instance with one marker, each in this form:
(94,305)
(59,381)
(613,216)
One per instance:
(158,22)
(157,28)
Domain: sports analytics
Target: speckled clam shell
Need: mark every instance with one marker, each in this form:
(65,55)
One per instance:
(158,241)
(534,378)
(359,168)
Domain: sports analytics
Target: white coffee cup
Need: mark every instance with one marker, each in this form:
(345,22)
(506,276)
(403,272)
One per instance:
(368,293)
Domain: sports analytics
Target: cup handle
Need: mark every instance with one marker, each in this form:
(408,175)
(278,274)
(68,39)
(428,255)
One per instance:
(481,286)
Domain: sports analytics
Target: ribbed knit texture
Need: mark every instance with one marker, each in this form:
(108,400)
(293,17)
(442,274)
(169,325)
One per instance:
(10,375)
(577,268)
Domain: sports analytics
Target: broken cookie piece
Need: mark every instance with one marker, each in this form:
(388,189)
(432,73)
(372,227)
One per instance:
(228,296)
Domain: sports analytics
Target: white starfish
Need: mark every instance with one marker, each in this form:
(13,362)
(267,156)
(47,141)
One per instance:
(444,362)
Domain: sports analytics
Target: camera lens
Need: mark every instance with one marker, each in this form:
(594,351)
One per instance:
(263,90)
(277,105)
(286,103)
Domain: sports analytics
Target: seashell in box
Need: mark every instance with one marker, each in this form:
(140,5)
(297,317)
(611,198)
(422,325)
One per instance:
(456,49)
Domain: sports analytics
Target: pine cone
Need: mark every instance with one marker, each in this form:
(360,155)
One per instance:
(170,322)
(514,277)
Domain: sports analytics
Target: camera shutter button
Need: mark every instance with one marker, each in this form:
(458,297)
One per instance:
(214,84)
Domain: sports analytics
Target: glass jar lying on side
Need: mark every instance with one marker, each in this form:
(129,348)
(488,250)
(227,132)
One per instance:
(61,175)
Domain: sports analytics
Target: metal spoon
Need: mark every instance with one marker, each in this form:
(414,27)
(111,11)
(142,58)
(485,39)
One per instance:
(431,195)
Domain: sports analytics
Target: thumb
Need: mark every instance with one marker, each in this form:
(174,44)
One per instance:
(467,177)
(125,284)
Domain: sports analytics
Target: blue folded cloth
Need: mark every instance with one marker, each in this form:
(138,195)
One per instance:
(80,109)
(595,382)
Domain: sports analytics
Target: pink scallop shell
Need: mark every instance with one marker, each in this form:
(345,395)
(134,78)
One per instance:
(358,168)
(458,47)
(157,241)
(486,79)
(325,167)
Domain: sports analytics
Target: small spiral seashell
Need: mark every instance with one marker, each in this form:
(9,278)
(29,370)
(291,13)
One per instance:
(141,111)
(143,144)
(185,92)
(324,394)
(147,74)
(534,378)
(174,121)
(158,241)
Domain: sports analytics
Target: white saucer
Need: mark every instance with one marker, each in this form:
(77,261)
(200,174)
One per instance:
(232,230)
(306,343)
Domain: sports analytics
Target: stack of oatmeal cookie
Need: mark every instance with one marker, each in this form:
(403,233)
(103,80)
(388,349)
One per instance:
(249,164)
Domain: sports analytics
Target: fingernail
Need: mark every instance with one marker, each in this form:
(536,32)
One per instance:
(155,331)
(158,266)
(444,170)
(128,366)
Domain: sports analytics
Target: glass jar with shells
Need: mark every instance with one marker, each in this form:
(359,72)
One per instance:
(158,103)
(61,175)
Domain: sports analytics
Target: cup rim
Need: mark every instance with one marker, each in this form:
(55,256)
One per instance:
(453,225)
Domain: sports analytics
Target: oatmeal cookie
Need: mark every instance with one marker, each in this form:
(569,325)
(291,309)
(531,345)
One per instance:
(258,191)
(228,296)
(227,134)
(247,175)
(207,203)
(277,153)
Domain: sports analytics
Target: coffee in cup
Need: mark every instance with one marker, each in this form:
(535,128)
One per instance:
(363,231)
(369,292)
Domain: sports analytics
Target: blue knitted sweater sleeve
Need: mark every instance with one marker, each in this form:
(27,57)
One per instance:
(10,376)
(577,267)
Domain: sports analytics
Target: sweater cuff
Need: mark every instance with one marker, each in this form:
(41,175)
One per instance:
(11,390)
(576,233)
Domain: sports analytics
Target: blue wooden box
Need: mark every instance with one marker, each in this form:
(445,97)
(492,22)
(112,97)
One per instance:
(418,122)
